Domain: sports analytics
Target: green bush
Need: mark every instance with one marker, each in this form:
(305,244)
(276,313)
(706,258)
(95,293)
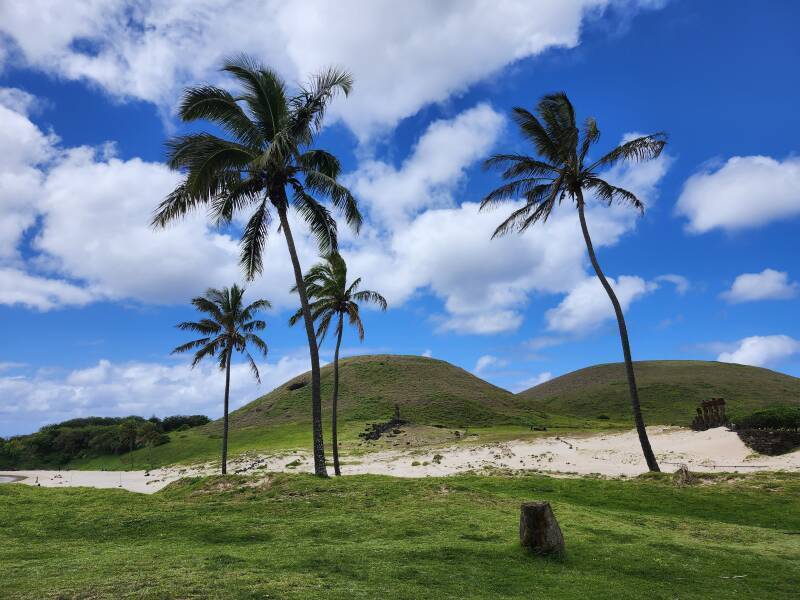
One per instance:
(779,417)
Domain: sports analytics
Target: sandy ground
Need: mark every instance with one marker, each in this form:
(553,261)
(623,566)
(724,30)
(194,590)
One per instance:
(613,455)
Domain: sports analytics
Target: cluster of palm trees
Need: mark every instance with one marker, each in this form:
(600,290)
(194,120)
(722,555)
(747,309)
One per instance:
(267,163)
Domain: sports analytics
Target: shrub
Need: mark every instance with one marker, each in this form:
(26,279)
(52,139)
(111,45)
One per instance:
(778,417)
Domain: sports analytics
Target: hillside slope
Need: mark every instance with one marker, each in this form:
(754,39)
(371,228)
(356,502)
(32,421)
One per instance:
(669,390)
(428,391)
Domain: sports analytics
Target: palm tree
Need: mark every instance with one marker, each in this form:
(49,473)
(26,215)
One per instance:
(564,172)
(267,150)
(326,284)
(228,328)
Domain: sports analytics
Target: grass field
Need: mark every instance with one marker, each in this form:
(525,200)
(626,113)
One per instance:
(294,536)
(670,390)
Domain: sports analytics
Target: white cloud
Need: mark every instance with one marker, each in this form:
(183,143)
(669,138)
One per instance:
(761,350)
(93,210)
(587,305)
(428,177)
(111,389)
(23,148)
(487,361)
(403,55)
(745,192)
(767,285)
(680,282)
(428,353)
(93,239)
(526,384)
(20,288)
(484,283)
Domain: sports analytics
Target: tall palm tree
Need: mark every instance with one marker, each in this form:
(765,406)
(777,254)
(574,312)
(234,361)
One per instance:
(228,328)
(266,152)
(332,298)
(563,171)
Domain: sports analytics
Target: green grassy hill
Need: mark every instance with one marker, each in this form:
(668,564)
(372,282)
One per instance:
(669,390)
(428,391)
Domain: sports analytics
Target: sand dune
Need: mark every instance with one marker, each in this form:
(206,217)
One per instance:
(612,455)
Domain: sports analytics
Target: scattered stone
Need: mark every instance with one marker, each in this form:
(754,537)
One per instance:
(683,476)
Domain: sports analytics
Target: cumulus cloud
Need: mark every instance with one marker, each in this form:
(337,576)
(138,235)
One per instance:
(761,350)
(767,285)
(427,178)
(745,192)
(403,55)
(680,282)
(23,149)
(28,401)
(532,381)
(488,361)
(92,212)
(92,239)
(587,305)
(19,288)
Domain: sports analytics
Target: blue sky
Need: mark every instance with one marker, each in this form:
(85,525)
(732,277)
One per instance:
(89,295)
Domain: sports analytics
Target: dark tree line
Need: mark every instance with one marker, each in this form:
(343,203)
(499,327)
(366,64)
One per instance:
(56,445)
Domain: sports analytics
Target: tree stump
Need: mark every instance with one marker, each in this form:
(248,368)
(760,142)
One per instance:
(539,530)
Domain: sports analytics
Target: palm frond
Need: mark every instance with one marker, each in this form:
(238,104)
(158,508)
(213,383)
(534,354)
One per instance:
(191,345)
(253,367)
(219,106)
(253,239)
(265,93)
(178,203)
(318,219)
(320,183)
(533,130)
(372,297)
(640,149)
(610,194)
(590,135)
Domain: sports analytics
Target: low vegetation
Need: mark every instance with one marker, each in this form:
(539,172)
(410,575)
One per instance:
(670,390)
(778,417)
(296,536)
(57,445)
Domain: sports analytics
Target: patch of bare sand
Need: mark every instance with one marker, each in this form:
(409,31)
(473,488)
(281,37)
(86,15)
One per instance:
(612,455)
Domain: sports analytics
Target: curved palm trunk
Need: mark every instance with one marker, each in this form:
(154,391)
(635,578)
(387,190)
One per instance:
(652,464)
(225,416)
(316,399)
(335,401)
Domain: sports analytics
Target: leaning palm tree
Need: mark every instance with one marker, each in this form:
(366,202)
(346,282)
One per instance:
(563,171)
(265,154)
(228,328)
(326,284)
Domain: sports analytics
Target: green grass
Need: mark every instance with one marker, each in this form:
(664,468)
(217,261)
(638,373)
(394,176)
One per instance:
(670,390)
(294,536)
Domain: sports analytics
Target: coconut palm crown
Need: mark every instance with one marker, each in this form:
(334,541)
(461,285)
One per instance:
(228,327)
(264,163)
(564,171)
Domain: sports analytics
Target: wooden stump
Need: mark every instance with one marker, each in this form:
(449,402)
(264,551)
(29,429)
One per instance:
(539,530)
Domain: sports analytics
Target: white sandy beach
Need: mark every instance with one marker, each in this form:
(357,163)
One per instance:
(612,455)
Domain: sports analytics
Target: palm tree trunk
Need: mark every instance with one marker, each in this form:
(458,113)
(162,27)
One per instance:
(316,398)
(225,414)
(649,457)
(335,402)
